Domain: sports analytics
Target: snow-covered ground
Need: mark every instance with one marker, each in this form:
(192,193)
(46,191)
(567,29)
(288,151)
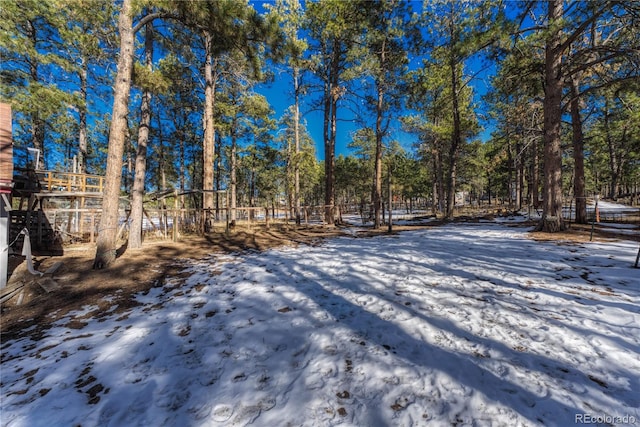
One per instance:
(456,325)
(607,206)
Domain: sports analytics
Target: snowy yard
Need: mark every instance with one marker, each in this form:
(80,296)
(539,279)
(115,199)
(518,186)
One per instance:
(456,325)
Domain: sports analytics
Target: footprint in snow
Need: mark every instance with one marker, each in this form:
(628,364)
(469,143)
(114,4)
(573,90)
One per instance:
(330,349)
(200,411)
(246,415)
(172,397)
(221,413)
(210,377)
(239,377)
(325,413)
(402,402)
(314,381)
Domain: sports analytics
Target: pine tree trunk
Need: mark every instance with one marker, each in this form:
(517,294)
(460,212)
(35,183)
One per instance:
(183,169)
(613,158)
(519,177)
(456,140)
(330,136)
(296,153)
(377,187)
(208,143)
(552,202)
(37,124)
(137,195)
(328,152)
(108,228)
(578,156)
(82,132)
(288,182)
(535,175)
(233,162)
(439,177)
(434,192)
(511,167)
(330,160)
(218,176)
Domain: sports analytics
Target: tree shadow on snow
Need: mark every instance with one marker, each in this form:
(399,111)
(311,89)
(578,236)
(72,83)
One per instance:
(467,372)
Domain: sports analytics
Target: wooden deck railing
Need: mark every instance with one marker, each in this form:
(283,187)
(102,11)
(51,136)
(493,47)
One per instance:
(67,181)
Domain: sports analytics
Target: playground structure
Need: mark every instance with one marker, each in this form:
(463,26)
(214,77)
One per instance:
(52,204)
(59,208)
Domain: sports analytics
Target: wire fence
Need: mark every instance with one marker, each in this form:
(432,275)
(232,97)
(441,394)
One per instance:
(62,226)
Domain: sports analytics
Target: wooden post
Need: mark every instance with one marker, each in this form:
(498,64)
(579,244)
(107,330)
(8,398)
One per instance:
(175,216)
(40,221)
(153,226)
(70,216)
(390,198)
(571,209)
(6,183)
(81,217)
(93,227)
(596,218)
(174,228)
(5,227)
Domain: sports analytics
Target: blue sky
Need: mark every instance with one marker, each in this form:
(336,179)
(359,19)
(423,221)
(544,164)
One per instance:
(279,95)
